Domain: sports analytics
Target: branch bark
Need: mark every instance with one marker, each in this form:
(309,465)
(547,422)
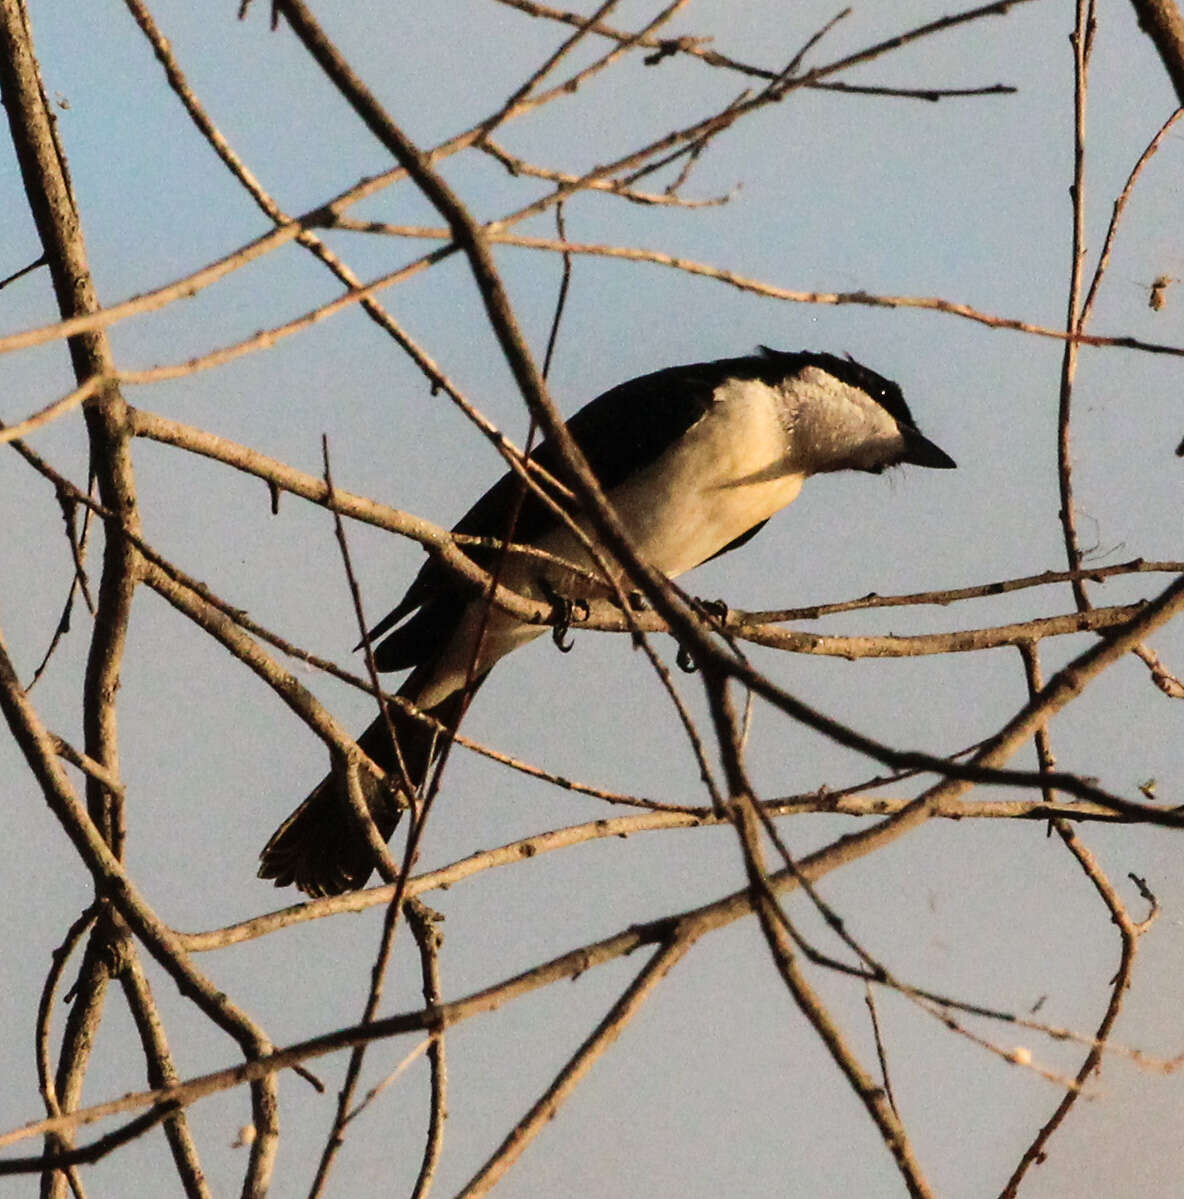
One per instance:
(1160,20)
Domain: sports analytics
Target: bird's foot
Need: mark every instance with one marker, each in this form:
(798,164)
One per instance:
(565,612)
(715,611)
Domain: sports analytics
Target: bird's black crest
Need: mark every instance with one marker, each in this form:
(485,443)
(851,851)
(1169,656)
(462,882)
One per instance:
(855,374)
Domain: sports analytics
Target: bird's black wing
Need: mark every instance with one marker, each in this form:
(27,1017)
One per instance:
(620,432)
(737,542)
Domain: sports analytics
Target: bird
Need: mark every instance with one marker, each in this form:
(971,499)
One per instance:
(694,460)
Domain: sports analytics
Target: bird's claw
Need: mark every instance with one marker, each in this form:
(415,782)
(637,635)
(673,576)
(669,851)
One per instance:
(565,612)
(716,609)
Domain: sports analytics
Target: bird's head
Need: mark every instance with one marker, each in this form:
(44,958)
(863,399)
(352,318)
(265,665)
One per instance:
(842,416)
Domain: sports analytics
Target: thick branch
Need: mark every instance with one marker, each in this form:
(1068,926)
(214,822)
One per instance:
(1161,21)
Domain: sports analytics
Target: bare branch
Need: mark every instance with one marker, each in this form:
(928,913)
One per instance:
(594,1046)
(1161,21)
(111,880)
(163,1073)
(493,232)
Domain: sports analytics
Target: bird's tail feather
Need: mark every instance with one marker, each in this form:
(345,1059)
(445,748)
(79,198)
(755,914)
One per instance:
(318,847)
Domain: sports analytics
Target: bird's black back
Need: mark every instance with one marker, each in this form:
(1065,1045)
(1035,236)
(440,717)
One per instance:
(620,432)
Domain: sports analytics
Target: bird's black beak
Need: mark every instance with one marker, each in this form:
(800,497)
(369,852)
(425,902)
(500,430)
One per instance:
(920,451)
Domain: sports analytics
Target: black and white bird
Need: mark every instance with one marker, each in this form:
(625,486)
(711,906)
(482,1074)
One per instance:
(694,460)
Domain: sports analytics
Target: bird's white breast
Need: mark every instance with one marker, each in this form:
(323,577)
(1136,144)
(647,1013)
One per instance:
(726,473)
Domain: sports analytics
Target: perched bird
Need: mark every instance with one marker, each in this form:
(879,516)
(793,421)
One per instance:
(694,460)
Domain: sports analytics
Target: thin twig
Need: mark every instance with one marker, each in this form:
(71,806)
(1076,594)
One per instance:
(327,212)
(874,1098)
(1119,208)
(24,270)
(1082,40)
(42,163)
(951,595)
(668,198)
(881,1053)
(45,1071)
(565,1082)
(1160,676)
(79,583)
(778,932)
(111,879)
(684,621)
(692,46)
(162,1072)
(387,868)
(709,917)
(383,863)
(423,923)
(495,232)
(1128,934)
(536,77)
(1149,617)
(950,808)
